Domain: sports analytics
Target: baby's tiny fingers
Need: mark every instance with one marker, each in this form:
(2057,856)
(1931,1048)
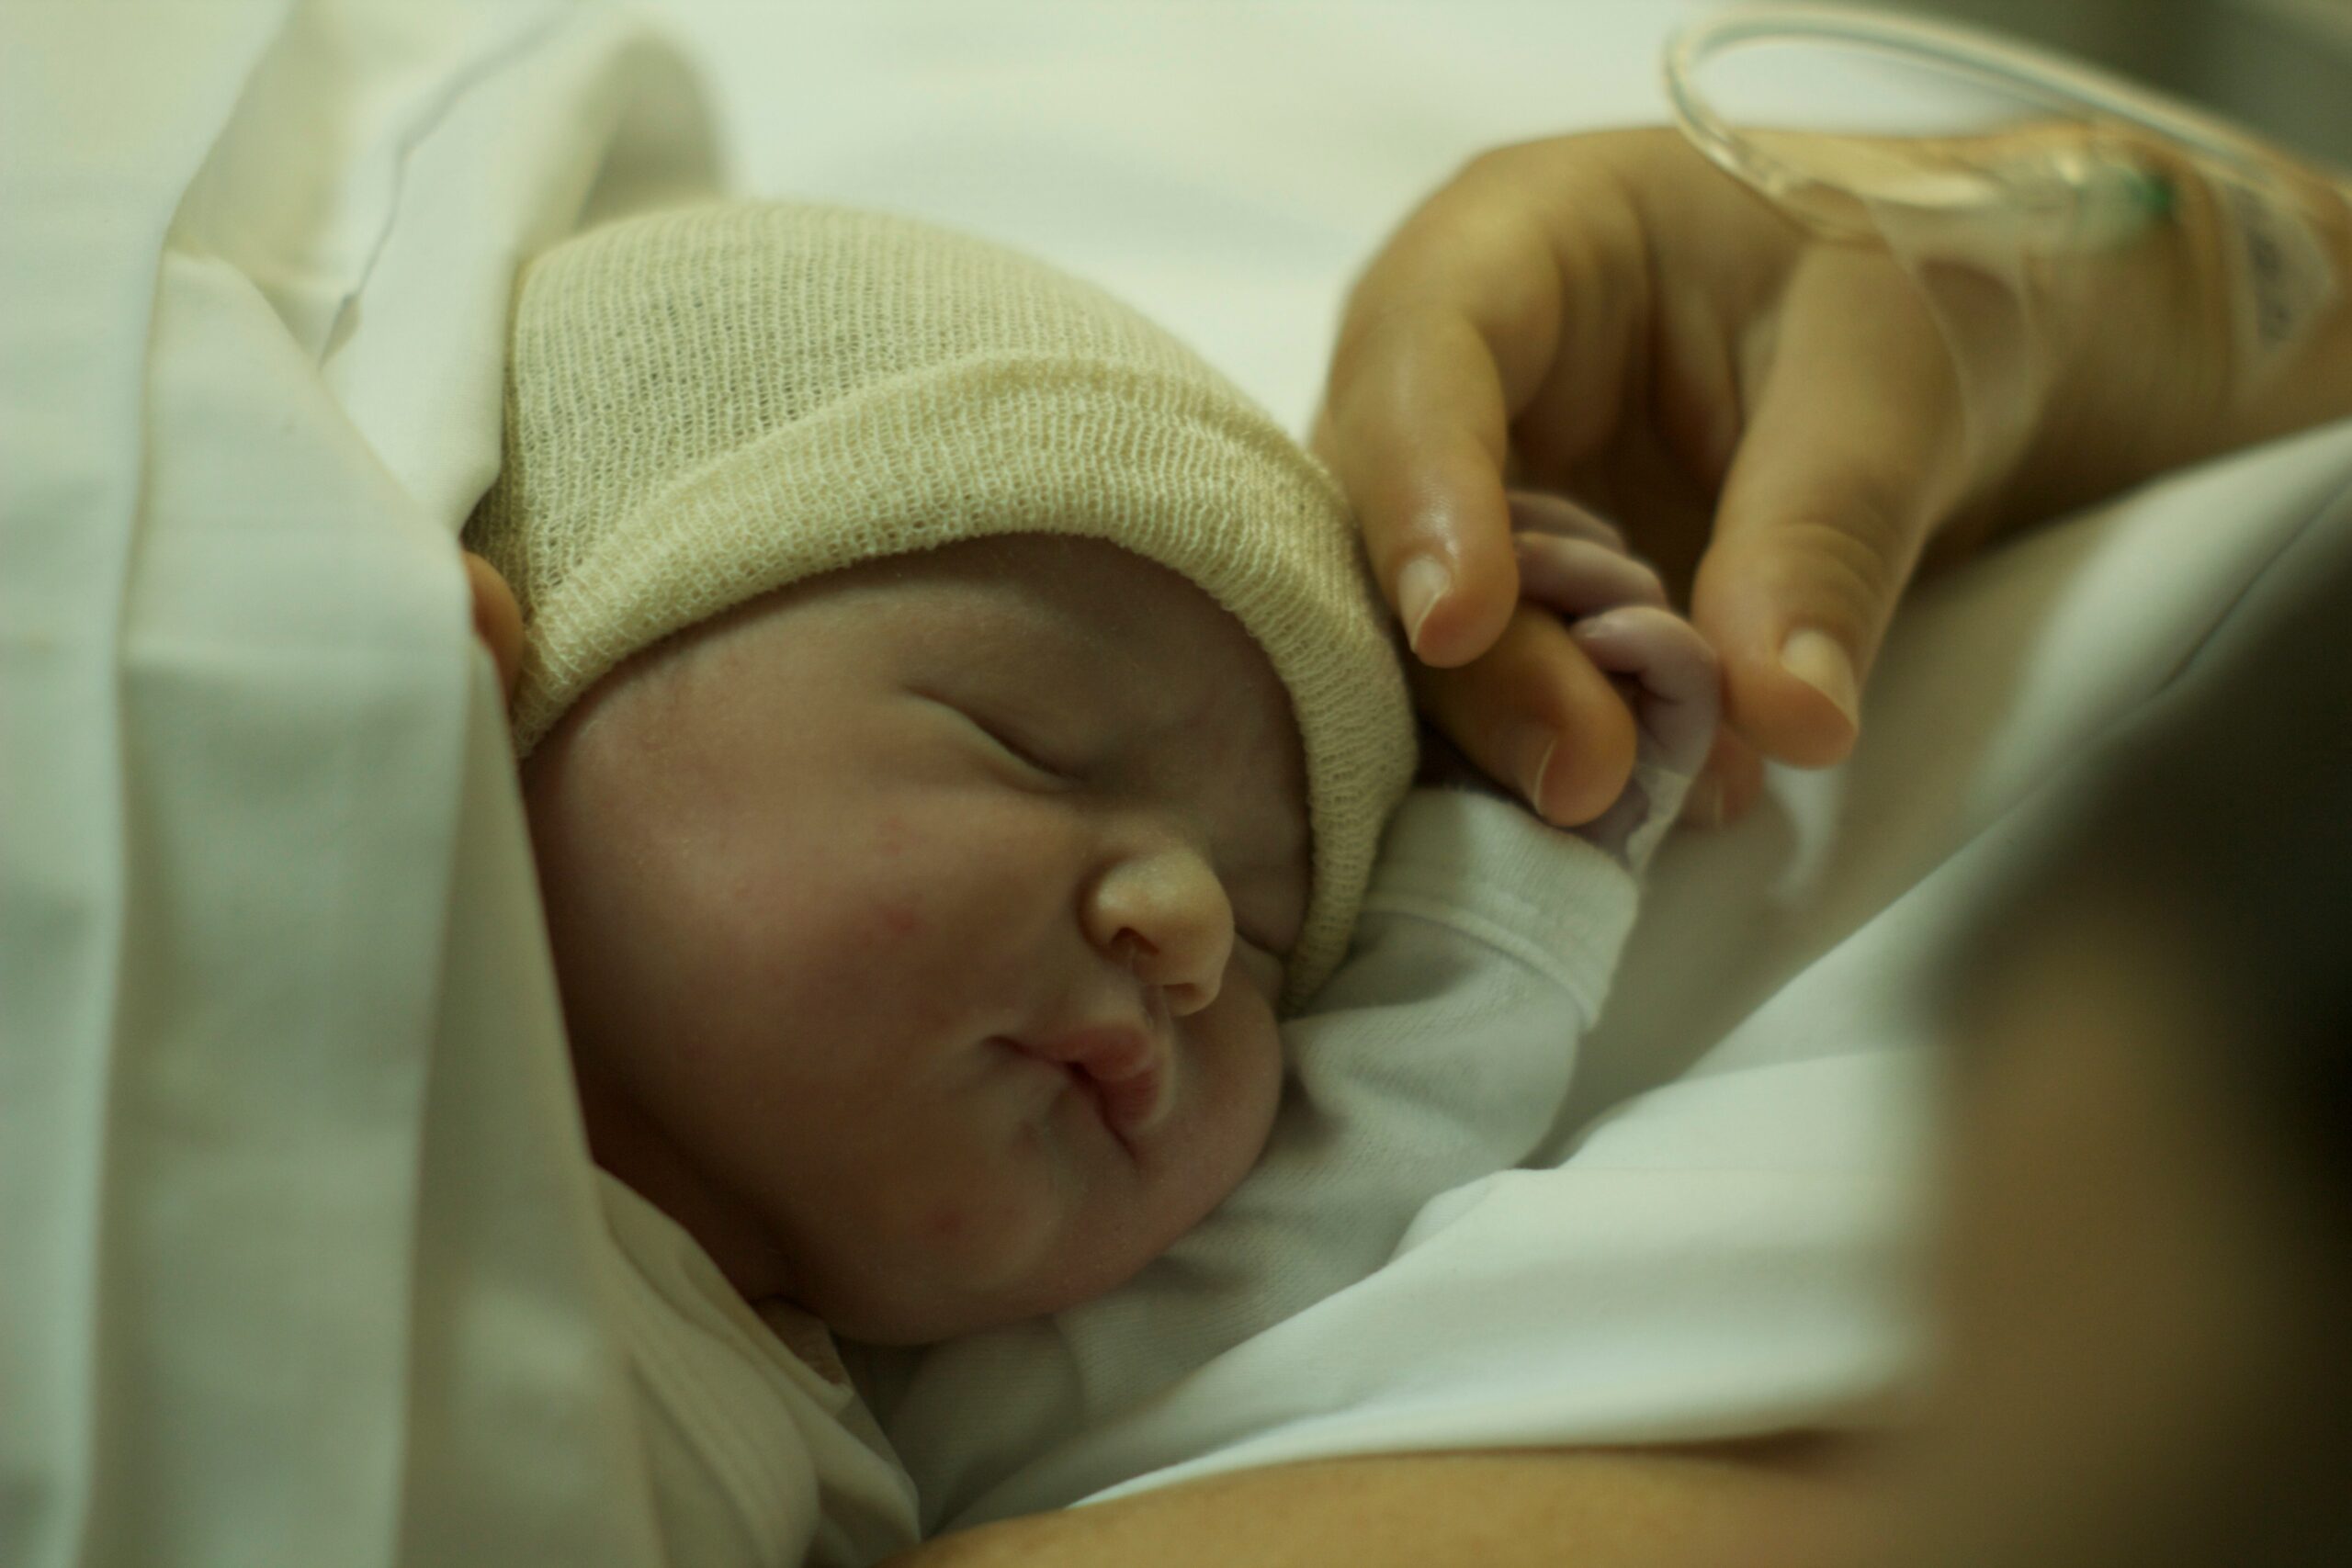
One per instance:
(1652,645)
(1680,683)
(1538,511)
(1579,576)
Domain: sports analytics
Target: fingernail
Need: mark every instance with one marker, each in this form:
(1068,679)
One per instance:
(1815,659)
(1529,749)
(1600,627)
(1420,586)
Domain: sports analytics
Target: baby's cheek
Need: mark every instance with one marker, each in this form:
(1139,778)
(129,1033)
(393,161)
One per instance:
(1242,1073)
(982,1232)
(968,1223)
(886,892)
(959,876)
(898,921)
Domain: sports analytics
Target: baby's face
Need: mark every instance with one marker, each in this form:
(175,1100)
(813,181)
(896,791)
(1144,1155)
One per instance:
(829,879)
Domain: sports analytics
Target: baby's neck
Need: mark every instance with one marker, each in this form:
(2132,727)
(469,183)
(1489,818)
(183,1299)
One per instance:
(630,1147)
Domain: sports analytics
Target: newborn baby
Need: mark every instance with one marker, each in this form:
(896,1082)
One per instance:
(955,728)
(923,927)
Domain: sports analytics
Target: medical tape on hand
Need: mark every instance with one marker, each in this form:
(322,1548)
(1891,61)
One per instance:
(2282,280)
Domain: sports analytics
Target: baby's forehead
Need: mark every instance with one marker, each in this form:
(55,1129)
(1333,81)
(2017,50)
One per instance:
(1103,647)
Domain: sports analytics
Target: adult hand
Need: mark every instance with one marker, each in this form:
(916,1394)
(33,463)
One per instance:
(1772,418)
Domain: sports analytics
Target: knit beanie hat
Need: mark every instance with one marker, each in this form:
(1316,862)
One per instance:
(707,403)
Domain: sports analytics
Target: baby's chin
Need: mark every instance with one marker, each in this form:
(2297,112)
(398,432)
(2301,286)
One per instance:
(990,1235)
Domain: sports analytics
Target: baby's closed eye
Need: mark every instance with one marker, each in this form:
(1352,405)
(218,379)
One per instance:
(1263,908)
(1026,752)
(1013,739)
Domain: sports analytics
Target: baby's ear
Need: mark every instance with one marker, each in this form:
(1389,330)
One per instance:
(498,621)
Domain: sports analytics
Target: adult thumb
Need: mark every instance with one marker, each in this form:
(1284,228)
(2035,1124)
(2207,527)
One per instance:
(1854,451)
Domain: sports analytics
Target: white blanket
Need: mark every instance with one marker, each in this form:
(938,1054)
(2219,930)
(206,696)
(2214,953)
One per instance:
(292,1201)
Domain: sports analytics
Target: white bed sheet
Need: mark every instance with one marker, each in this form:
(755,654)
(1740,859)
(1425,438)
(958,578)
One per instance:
(292,1204)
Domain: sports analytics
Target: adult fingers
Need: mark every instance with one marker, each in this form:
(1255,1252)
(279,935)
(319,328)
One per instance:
(1534,712)
(1853,451)
(1467,311)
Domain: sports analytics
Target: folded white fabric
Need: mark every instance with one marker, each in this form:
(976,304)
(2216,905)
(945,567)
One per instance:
(294,1220)
(756,1444)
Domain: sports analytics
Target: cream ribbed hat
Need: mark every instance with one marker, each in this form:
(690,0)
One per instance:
(705,403)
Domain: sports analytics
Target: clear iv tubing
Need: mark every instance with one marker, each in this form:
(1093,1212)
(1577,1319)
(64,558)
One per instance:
(2067,183)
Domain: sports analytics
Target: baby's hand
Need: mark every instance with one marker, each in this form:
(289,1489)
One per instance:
(1617,612)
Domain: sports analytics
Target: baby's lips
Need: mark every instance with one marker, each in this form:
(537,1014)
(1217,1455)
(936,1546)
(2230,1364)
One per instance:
(1123,1065)
(1108,1054)
(1130,1105)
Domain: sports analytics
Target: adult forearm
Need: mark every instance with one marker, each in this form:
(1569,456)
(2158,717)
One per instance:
(1766,1509)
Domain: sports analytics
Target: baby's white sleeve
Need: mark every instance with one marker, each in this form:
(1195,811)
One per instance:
(1439,1052)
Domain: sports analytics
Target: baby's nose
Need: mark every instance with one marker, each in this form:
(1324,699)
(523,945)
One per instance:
(1167,917)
